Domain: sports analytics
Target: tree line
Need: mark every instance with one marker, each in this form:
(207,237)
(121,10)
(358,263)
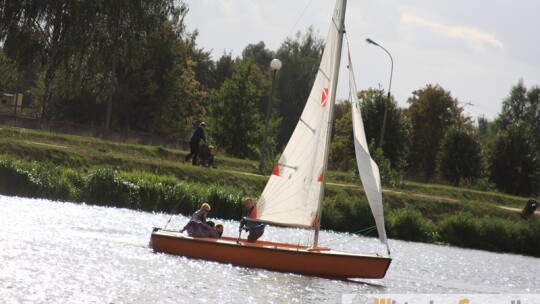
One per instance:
(132,65)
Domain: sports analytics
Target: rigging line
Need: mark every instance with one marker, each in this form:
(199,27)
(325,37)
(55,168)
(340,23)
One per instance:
(174,211)
(349,65)
(337,241)
(362,232)
(299,18)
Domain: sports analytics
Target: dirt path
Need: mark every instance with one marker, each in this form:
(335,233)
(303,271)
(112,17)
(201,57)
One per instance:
(516,209)
(44,144)
(537,212)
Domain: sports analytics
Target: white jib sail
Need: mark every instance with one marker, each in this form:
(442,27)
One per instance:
(368,169)
(292,195)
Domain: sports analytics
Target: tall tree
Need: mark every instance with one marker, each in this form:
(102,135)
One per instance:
(432,111)
(224,70)
(515,161)
(514,107)
(99,49)
(234,112)
(515,158)
(205,68)
(460,156)
(485,127)
(122,30)
(47,30)
(397,132)
(300,57)
(155,85)
(342,154)
(521,105)
(160,93)
(533,112)
(260,55)
(8,72)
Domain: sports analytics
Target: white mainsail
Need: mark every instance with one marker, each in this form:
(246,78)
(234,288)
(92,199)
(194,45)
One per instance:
(293,194)
(367,168)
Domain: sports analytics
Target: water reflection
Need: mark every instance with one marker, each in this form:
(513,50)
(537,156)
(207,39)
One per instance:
(65,253)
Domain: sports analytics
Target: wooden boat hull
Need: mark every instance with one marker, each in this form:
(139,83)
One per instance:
(321,262)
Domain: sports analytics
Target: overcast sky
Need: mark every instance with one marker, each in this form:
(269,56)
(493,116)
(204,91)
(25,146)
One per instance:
(477,50)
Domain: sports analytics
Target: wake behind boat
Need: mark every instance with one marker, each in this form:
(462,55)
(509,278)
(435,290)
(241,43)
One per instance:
(293,196)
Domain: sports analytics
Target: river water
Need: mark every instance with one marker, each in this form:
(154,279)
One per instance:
(56,252)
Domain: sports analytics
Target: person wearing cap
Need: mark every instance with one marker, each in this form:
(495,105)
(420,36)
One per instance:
(196,137)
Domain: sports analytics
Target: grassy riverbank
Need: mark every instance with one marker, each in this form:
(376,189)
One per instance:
(79,169)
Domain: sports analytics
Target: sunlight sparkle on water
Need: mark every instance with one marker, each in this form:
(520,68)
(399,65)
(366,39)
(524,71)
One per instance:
(55,252)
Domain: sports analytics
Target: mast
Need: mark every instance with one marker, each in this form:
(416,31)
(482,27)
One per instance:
(337,59)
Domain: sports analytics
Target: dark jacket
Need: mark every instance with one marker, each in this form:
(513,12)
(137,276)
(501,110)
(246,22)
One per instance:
(251,214)
(197,135)
(198,216)
(200,229)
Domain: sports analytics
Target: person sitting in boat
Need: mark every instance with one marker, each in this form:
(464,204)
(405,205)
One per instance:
(219,230)
(256,230)
(201,214)
(200,229)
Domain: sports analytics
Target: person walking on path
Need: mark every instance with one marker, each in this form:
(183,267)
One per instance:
(196,137)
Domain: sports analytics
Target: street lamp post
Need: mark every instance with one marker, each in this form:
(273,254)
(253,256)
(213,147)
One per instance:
(389,88)
(275,65)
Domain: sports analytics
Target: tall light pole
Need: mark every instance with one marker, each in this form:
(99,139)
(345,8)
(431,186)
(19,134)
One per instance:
(389,87)
(275,65)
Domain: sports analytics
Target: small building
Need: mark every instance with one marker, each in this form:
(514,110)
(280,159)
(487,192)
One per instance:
(11,103)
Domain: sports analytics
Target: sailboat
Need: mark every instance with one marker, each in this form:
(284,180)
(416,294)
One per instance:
(293,195)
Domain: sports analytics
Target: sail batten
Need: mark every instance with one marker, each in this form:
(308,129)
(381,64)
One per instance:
(307,126)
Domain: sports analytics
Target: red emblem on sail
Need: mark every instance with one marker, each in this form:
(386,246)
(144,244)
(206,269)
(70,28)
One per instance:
(313,222)
(275,171)
(324,96)
(320,178)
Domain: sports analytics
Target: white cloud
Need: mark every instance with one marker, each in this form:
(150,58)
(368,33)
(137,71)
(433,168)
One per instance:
(472,35)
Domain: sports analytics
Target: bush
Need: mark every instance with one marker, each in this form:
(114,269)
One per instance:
(347,212)
(63,189)
(33,180)
(460,230)
(494,234)
(226,202)
(527,236)
(408,224)
(15,180)
(103,188)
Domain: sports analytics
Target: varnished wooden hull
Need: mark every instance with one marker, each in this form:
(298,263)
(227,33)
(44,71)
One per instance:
(321,262)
